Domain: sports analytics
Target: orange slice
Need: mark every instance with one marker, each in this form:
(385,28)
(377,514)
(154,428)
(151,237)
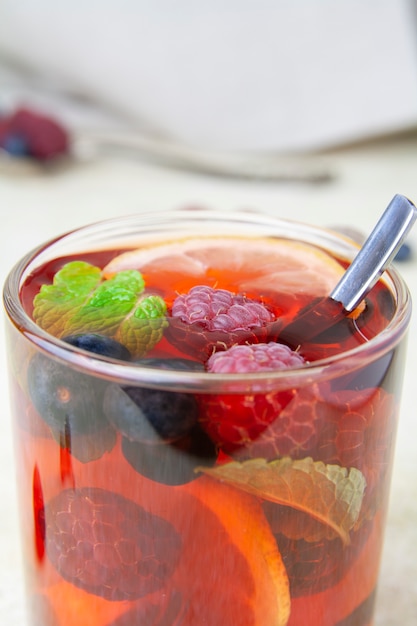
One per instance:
(240,264)
(257,592)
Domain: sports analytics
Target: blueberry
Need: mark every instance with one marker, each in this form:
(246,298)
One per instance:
(68,401)
(171,463)
(99,344)
(15,145)
(149,415)
(152,415)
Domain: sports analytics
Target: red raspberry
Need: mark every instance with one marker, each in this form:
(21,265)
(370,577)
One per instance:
(205,320)
(234,421)
(314,565)
(349,428)
(41,137)
(295,431)
(261,357)
(108,545)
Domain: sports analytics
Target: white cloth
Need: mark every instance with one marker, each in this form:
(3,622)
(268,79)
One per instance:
(230,74)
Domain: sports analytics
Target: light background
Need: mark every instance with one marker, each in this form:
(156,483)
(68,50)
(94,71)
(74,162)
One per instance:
(36,205)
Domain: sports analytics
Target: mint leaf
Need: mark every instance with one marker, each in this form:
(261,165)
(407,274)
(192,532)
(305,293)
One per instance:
(143,328)
(329,496)
(80,301)
(55,304)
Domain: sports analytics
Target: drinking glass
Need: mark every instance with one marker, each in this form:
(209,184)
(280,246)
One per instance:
(125,523)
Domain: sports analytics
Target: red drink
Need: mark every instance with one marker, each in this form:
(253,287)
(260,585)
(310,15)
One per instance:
(160,491)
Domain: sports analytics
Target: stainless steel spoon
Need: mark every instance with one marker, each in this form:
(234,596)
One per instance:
(369,264)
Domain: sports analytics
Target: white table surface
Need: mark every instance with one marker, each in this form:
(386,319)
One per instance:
(35,206)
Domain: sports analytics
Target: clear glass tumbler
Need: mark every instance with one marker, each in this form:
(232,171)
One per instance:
(154,490)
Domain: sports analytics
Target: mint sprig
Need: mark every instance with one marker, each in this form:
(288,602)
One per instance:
(80,300)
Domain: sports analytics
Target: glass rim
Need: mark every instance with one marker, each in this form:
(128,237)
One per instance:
(127,373)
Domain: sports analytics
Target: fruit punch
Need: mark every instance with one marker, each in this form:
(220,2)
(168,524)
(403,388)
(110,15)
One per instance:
(177,464)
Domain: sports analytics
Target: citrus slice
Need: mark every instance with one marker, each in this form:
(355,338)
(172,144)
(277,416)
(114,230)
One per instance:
(257,592)
(240,264)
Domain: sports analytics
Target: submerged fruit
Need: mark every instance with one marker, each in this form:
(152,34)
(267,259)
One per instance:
(153,415)
(65,398)
(228,569)
(171,463)
(109,545)
(312,565)
(233,421)
(251,586)
(71,404)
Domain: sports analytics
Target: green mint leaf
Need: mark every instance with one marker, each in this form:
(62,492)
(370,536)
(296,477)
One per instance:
(81,301)
(329,497)
(144,328)
(56,304)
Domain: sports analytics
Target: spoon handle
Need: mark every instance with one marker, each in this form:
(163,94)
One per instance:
(376,254)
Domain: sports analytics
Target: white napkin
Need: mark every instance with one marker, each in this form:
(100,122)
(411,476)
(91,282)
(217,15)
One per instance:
(229,74)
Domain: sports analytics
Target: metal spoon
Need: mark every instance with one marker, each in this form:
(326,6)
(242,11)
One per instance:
(369,264)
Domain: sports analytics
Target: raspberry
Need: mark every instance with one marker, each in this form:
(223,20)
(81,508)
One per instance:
(296,430)
(254,358)
(108,545)
(349,428)
(234,421)
(27,133)
(205,320)
(315,565)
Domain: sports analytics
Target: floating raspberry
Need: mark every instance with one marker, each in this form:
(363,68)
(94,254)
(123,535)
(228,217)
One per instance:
(28,133)
(254,358)
(109,546)
(205,320)
(234,421)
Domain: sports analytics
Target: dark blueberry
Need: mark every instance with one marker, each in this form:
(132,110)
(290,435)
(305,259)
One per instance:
(173,463)
(99,344)
(68,401)
(15,145)
(88,446)
(152,415)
